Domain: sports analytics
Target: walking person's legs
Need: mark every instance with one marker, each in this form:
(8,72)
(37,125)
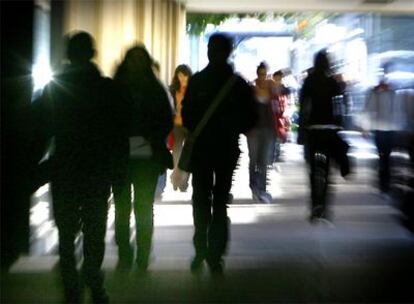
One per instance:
(253,148)
(94,217)
(122,198)
(202,182)
(264,146)
(67,219)
(66,211)
(218,234)
(180,134)
(384,142)
(144,178)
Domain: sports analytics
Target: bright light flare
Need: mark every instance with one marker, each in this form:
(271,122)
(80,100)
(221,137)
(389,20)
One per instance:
(42,74)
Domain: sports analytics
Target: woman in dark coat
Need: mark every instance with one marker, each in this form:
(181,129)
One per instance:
(149,119)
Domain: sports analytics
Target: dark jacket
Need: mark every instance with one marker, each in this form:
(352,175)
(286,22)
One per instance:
(236,113)
(149,114)
(316,102)
(77,110)
(316,99)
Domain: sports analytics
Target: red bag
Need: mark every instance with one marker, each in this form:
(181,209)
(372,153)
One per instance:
(282,128)
(170,141)
(281,122)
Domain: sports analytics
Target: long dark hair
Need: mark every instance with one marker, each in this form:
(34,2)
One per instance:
(140,86)
(182,68)
(136,66)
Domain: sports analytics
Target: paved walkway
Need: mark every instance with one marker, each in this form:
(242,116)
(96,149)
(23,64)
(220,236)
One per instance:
(274,256)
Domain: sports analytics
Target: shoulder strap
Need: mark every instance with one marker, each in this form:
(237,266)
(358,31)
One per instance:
(216,102)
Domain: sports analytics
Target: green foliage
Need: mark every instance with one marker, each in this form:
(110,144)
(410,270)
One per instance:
(197,22)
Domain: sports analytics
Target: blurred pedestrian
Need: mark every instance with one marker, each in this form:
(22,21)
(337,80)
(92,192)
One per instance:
(149,121)
(318,131)
(390,114)
(77,110)
(216,151)
(279,104)
(260,138)
(178,88)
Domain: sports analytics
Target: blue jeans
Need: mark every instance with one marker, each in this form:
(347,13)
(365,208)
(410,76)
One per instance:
(259,142)
(274,150)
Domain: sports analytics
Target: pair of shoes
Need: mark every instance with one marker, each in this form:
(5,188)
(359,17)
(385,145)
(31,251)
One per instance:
(142,263)
(74,289)
(125,258)
(73,297)
(100,297)
(317,213)
(124,265)
(265,198)
(255,196)
(197,265)
(321,215)
(326,222)
(216,267)
(158,198)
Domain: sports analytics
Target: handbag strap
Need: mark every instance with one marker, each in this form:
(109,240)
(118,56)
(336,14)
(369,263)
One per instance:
(216,102)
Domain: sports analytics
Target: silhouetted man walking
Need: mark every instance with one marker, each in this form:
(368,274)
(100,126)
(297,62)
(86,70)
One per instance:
(318,132)
(216,149)
(75,110)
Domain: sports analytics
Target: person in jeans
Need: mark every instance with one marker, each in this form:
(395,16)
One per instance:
(260,139)
(216,150)
(148,123)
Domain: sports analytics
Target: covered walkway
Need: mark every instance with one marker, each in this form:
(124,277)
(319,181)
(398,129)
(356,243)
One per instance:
(275,255)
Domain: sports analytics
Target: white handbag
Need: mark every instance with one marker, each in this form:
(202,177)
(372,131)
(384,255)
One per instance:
(139,148)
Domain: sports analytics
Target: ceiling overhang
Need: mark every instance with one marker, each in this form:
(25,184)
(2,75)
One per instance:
(249,6)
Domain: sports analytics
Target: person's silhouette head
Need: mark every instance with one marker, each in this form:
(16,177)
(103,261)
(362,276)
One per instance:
(220,47)
(322,62)
(137,65)
(80,47)
(137,59)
